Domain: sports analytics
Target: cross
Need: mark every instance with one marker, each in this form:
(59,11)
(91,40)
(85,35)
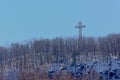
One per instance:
(80,26)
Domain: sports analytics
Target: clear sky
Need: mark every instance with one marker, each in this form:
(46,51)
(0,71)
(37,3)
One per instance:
(22,20)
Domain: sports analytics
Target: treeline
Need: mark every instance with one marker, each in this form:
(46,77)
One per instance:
(59,50)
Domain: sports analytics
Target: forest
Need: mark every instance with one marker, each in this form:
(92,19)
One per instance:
(62,51)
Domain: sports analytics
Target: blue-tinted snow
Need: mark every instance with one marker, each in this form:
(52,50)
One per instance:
(109,69)
(11,74)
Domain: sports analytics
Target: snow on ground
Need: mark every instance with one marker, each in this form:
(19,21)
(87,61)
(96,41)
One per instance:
(11,74)
(108,69)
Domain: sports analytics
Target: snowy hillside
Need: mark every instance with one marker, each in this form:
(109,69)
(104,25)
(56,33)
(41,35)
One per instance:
(102,70)
(108,69)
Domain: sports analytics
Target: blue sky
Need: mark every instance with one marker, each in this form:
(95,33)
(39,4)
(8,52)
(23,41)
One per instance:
(22,20)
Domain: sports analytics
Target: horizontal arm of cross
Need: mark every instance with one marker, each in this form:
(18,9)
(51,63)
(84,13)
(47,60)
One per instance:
(80,26)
